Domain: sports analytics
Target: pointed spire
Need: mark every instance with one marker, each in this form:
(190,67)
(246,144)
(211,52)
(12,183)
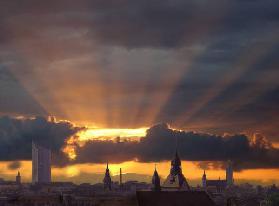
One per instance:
(204,179)
(107,179)
(204,175)
(155,170)
(18,178)
(156,180)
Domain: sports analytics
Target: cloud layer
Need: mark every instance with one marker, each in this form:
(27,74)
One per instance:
(160,142)
(16,136)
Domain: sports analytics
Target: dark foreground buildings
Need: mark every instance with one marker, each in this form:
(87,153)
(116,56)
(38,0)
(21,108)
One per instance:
(219,185)
(174,192)
(174,198)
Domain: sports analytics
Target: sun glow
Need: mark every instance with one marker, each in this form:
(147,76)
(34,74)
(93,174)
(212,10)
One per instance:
(72,171)
(103,134)
(108,133)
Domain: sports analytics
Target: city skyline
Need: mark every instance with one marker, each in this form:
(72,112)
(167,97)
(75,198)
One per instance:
(78,172)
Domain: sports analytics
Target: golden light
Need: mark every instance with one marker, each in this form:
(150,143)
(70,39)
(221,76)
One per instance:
(275,145)
(72,171)
(107,133)
(101,134)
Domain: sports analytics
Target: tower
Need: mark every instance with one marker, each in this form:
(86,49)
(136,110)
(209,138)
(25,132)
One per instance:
(120,179)
(229,173)
(176,165)
(176,179)
(204,180)
(156,186)
(107,180)
(41,164)
(18,178)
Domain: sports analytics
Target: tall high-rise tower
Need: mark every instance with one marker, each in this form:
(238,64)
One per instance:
(41,164)
(229,173)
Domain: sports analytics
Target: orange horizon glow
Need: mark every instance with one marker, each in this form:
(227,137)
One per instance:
(93,173)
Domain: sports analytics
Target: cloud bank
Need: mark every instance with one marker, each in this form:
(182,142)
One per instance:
(16,136)
(160,142)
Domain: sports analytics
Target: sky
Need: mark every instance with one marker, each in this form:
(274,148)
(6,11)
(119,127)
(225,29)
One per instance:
(201,74)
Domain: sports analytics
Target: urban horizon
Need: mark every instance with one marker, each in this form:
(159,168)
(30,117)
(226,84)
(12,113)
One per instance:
(132,169)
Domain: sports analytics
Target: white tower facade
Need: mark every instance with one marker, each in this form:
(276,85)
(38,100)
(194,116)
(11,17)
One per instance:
(41,164)
(229,173)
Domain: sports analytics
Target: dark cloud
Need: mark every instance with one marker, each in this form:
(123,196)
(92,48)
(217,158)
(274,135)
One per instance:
(14,165)
(145,23)
(160,142)
(16,136)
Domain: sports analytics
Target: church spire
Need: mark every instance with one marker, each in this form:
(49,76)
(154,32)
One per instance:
(107,179)
(176,179)
(176,164)
(18,178)
(156,181)
(204,179)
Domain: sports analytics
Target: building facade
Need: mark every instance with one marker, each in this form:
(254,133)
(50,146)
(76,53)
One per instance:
(41,164)
(219,185)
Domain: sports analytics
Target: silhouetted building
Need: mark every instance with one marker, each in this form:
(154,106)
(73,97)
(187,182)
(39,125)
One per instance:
(107,180)
(171,198)
(156,186)
(204,180)
(18,178)
(176,179)
(41,164)
(213,185)
(229,173)
(216,185)
(219,185)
